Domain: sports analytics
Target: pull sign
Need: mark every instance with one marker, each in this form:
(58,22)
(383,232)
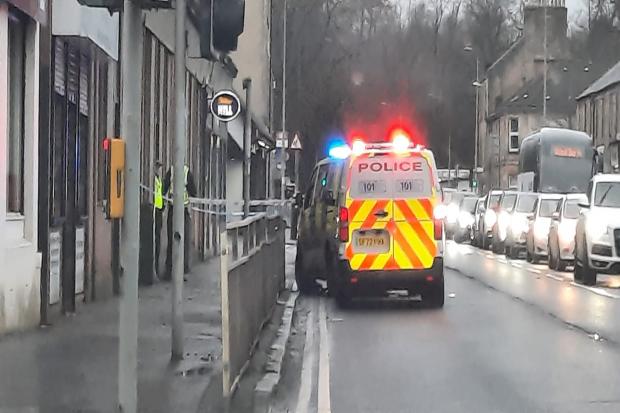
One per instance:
(225,106)
(116,178)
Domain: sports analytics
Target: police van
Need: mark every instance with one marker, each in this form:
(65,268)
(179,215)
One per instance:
(367,223)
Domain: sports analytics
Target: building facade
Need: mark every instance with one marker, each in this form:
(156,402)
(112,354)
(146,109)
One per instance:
(532,85)
(20,261)
(598,114)
(78,107)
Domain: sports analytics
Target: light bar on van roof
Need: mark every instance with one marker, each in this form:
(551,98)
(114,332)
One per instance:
(343,151)
(391,146)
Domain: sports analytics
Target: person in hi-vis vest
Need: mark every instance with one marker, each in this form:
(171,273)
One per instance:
(158,211)
(189,191)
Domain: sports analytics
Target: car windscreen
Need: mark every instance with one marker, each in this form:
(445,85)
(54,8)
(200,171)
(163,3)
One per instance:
(571,209)
(494,200)
(548,207)
(390,177)
(607,194)
(508,202)
(469,204)
(526,203)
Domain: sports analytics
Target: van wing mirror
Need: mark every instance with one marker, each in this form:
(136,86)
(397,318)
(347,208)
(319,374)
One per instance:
(555,215)
(328,198)
(299,200)
(584,204)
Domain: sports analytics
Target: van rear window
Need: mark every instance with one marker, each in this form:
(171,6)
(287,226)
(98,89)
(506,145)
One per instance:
(390,177)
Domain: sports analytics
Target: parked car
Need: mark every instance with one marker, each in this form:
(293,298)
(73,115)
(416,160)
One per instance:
(597,235)
(489,218)
(452,211)
(478,217)
(516,234)
(507,204)
(538,233)
(561,242)
(467,209)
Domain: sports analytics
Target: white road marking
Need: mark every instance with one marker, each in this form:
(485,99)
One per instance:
(502,260)
(595,290)
(534,270)
(554,277)
(324,405)
(305,389)
(516,265)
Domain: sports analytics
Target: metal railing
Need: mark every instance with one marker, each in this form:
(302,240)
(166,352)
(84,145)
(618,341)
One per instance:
(255,277)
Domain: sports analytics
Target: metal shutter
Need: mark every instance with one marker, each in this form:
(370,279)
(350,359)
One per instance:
(73,67)
(59,67)
(84,75)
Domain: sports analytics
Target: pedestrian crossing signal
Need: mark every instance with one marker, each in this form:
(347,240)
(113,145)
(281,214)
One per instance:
(115,174)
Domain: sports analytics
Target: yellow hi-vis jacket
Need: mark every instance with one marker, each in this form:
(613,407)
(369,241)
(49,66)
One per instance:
(158,193)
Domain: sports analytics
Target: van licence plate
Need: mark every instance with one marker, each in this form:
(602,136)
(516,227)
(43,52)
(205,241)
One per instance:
(371,241)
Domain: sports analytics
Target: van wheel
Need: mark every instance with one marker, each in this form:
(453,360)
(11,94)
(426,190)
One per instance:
(305,285)
(435,296)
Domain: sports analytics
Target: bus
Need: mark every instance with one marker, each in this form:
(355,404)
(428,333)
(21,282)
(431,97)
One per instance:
(559,161)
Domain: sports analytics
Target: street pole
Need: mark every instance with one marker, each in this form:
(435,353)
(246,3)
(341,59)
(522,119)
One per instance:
(545,71)
(131,81)
(297,160)
(247,150)
(476,137)
(283,157)
(178,219)
(450,159)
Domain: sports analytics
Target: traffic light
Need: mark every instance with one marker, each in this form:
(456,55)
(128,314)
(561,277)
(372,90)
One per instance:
(221,23)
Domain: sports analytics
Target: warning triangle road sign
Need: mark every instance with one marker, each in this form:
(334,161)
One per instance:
(296,144)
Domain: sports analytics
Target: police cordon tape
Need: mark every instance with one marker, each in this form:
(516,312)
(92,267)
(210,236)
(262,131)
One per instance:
(219,202)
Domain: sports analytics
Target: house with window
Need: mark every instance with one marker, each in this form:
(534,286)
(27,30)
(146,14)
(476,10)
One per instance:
(20,23)
(598,114)
(532,85)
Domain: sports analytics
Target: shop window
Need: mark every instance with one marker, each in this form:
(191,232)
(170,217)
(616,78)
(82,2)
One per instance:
(16,91)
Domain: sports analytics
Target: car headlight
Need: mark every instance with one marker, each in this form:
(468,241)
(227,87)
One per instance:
(490,218)
(453,213)
(541,229)
(597,227)
(465,219)
(566,232)
(440,211)
(503,220)
(519,225)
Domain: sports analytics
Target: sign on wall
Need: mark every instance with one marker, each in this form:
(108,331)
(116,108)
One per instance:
(225,106)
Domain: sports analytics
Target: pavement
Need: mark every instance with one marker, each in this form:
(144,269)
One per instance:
(72,366)
(512,337)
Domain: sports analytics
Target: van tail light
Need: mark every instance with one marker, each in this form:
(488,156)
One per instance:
(343,224)
(438,229)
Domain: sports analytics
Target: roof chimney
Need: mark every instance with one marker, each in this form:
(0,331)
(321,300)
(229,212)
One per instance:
(557,26)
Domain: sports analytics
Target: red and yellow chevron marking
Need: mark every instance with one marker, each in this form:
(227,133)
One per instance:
(410,224)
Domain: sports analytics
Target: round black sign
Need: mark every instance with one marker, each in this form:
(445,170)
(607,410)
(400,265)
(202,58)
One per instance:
(225,106)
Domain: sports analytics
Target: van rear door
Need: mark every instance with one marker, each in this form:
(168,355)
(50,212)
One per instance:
(413,229)
(370,210)
(390,212)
